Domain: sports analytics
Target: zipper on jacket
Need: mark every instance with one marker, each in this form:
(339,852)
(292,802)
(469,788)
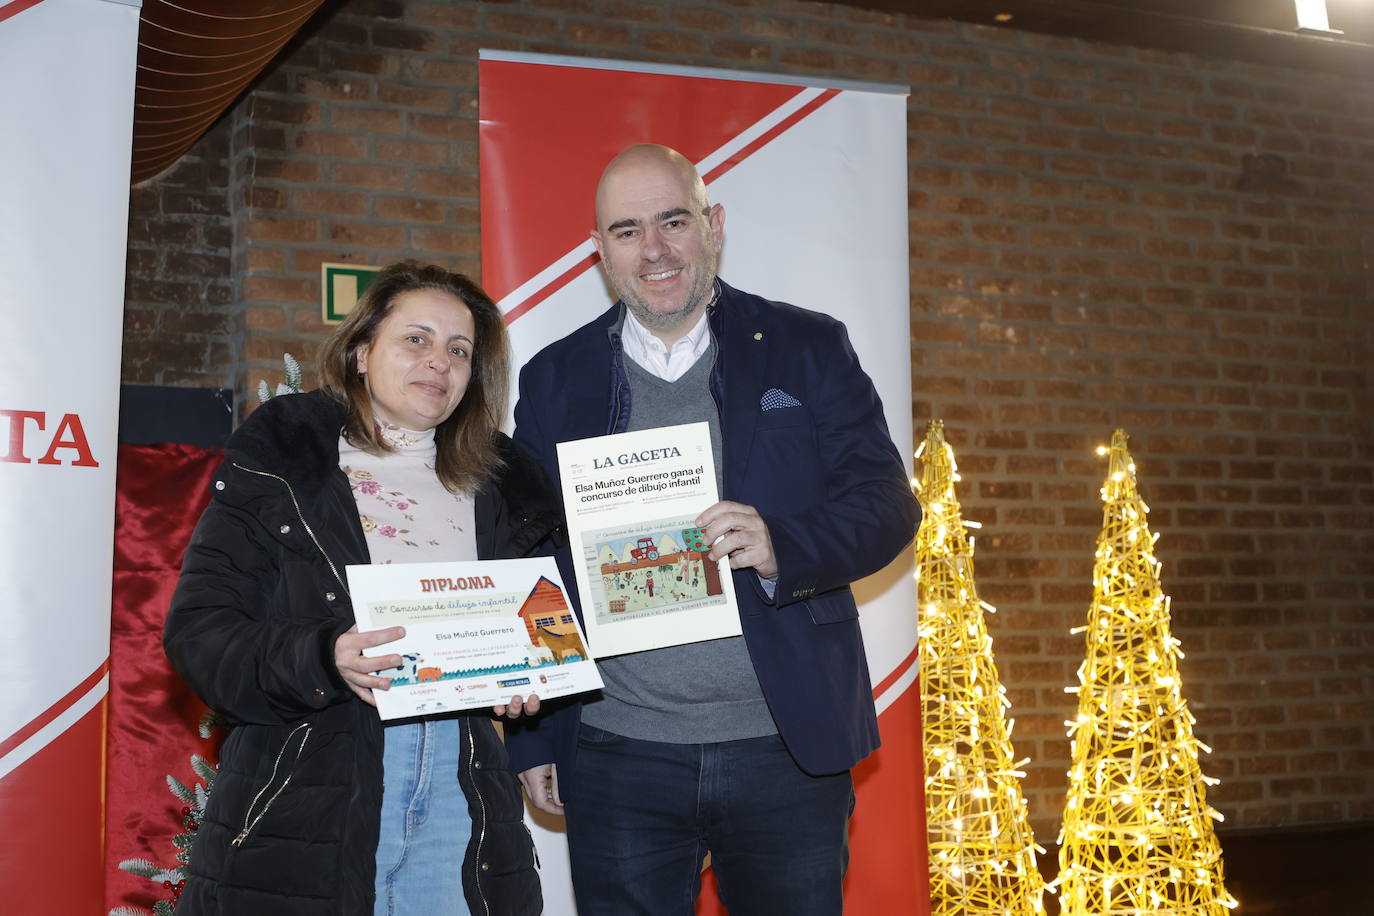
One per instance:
(482,810)
(533,848)
(301,515)
(249,822)
(620,387)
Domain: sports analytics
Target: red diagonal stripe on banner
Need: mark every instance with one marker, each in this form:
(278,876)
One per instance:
(548,130)
(572,273)
(56,709)
(896,674)
(15,8)
(768,136)
(552,287)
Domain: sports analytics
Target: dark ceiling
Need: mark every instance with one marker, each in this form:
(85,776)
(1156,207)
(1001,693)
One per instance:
(1260,31)
(195,58)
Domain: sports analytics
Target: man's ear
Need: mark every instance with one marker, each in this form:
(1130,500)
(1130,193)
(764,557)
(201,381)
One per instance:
(596,240)
(717,220)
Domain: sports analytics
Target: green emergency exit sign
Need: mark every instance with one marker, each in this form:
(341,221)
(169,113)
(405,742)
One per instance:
(341,286)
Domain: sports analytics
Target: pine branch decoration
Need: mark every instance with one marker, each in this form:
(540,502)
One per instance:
(172,878)
(292,384)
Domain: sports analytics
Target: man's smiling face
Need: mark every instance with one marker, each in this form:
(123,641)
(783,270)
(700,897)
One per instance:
(659,238)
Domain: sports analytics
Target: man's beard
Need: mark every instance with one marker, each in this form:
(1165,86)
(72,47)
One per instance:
(656,319)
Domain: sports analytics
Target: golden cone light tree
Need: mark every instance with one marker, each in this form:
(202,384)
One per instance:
(1137,838)
(982,851)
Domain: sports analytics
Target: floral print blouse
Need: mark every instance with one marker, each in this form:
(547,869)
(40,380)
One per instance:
(407,514)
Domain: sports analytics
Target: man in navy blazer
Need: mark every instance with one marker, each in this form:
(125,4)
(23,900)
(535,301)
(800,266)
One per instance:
(742,746)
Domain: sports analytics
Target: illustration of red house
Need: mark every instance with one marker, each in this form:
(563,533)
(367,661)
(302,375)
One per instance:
(546,608)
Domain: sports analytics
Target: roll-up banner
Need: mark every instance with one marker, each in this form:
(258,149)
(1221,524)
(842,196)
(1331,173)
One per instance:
(66,106)
(813,179)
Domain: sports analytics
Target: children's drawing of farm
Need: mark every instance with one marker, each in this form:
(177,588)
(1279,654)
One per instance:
(658,566)
(549,625)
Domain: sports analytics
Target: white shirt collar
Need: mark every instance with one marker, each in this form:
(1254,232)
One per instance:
(651,355)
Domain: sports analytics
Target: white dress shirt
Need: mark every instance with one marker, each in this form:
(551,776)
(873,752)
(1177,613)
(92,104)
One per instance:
(670,364)
(650,354)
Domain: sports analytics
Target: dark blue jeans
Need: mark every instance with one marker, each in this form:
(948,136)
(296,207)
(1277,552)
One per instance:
(642,815)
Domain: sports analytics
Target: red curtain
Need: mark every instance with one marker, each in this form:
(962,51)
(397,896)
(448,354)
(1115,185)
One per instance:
(160,492)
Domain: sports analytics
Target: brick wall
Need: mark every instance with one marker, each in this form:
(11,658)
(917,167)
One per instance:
(179,301)
(1100,237)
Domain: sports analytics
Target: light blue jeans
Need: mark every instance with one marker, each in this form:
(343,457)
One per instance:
(425,822)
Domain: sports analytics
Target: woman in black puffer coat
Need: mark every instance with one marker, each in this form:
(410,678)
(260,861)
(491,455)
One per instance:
(261,623)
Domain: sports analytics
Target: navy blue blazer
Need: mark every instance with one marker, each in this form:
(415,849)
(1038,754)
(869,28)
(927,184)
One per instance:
(819,466)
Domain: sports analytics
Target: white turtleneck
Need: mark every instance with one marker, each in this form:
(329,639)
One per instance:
(407,514)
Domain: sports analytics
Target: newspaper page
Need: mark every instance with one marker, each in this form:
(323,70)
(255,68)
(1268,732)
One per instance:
(632,500)
(476,633)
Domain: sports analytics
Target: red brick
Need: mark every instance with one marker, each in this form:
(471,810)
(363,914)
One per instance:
(333,88)
(273,229)
(285,170)
(372,177)
(447,242)
(412,151)
(536,26)
(366,119)
(410,209)
(280,288)
(265,318)
(366,234)
(338,203)
(324,143)
(440,16)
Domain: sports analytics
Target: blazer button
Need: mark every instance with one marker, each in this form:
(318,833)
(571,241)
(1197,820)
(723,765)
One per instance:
(285,529)
(319,693)
(477,764)
(328,596)
(219,485)
(486,866)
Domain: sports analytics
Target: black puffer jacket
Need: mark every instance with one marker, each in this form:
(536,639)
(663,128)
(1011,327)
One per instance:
(292,823)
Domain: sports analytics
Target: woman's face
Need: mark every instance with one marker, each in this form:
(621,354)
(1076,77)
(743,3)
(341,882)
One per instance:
(418,364)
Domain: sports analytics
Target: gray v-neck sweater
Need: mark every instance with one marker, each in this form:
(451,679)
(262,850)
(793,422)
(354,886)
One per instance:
(701,692)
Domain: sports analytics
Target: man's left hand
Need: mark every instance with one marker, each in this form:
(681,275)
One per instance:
(739,532)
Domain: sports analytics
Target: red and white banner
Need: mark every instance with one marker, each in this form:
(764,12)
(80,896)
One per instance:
(813,179)
(66,103)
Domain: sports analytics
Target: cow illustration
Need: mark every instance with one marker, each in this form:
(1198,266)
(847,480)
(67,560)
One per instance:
(410,663)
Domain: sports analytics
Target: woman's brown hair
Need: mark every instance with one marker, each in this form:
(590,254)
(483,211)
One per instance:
(465,442)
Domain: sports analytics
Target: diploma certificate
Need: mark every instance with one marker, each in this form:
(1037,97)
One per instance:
(631,501)
(476,633)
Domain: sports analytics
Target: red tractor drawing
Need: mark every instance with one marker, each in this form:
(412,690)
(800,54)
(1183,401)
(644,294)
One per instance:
(645,551)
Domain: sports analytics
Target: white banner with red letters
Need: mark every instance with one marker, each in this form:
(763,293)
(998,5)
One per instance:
(813,179)
(66,106)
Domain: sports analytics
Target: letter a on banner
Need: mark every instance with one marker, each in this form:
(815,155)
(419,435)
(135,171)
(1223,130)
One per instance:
(66,98)
(798,167)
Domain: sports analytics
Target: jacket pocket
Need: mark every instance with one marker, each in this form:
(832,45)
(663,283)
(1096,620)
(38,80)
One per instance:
(783,418)
(834,608)
(283,768)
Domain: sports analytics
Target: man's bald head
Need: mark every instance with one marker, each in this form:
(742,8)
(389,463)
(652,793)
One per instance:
(650,161)
(659,237)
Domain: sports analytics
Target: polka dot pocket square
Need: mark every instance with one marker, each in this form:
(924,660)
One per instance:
(776,399)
